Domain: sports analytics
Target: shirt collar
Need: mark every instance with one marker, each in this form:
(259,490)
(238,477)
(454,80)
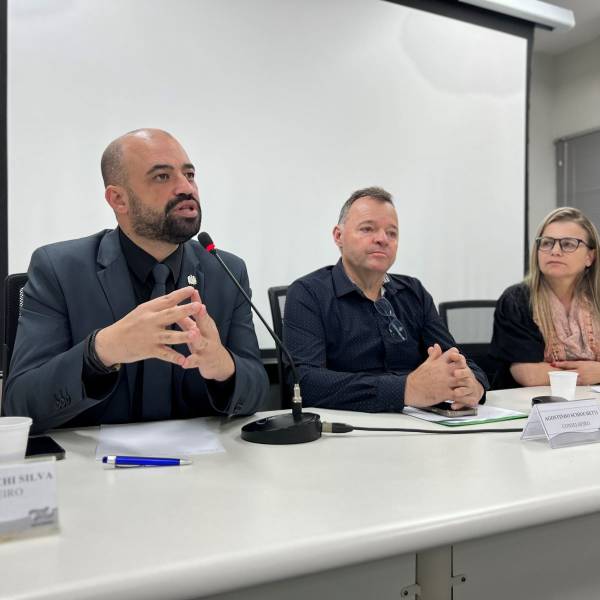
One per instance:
(141,263)
(342,284)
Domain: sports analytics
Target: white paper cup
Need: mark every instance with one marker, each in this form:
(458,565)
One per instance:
(563,383)
(14,432)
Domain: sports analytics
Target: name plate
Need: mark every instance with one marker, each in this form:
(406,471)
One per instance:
(28,500)
(564,423)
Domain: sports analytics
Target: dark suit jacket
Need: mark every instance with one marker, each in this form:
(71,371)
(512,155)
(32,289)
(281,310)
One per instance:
(80,285)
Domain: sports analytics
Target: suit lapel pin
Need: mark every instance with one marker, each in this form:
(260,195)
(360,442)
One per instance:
(191,279)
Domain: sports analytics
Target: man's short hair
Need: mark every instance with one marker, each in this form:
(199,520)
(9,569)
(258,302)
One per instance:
(371,192)
(111,164)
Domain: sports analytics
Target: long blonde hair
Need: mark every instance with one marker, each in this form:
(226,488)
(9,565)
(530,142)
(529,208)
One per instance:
(586,287)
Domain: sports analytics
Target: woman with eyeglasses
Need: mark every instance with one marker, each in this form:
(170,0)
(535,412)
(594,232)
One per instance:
(551,321)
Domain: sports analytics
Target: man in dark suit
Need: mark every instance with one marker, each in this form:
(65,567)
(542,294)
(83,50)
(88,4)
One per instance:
(137,323)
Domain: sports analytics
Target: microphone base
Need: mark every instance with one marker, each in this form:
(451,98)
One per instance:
(283,429)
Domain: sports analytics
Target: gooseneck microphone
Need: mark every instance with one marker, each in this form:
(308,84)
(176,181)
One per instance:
(295,428)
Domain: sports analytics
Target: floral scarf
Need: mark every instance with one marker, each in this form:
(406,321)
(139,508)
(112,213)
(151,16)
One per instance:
(576,334)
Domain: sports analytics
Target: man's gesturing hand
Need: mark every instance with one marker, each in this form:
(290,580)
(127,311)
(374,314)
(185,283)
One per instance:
(143,333)
(207,353)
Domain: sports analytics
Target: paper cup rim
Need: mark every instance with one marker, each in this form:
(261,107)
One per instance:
(8,423)
(563,373)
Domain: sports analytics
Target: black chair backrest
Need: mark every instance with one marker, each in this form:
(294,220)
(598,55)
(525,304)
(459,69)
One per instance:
(13,303)
(471,323)
(277,304)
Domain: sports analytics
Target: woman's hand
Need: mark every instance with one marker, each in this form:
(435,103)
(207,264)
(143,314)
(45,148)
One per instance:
(588,370)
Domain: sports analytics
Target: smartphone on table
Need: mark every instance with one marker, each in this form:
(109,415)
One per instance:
(43,445)
(445,409)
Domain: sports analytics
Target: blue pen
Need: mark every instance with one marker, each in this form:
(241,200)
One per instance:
(143,461)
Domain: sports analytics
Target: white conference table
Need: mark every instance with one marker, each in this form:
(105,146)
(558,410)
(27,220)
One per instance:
(359,515)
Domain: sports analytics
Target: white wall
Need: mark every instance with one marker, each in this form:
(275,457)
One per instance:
(577,99)
(542,177)
(565,100)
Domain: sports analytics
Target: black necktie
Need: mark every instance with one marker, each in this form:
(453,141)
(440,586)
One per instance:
(156,403)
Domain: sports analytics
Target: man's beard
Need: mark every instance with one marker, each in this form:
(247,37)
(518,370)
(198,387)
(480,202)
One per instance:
(164,227)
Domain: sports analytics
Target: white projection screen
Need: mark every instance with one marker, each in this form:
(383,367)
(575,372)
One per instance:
(285,107)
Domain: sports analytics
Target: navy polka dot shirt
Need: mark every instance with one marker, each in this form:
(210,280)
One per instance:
(347,354)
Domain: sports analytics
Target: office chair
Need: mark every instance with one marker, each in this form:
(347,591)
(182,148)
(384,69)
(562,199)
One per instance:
(13,303)
(471,323)
(277,304)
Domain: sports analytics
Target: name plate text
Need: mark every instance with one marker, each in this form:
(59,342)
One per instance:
(28,499)
(564,423)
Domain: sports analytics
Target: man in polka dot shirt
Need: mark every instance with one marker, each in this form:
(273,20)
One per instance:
(367,340)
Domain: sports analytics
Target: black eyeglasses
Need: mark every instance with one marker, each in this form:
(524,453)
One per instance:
(396,329)
(567,244)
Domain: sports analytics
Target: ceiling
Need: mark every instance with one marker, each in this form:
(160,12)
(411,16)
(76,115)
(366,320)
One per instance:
(587,28)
